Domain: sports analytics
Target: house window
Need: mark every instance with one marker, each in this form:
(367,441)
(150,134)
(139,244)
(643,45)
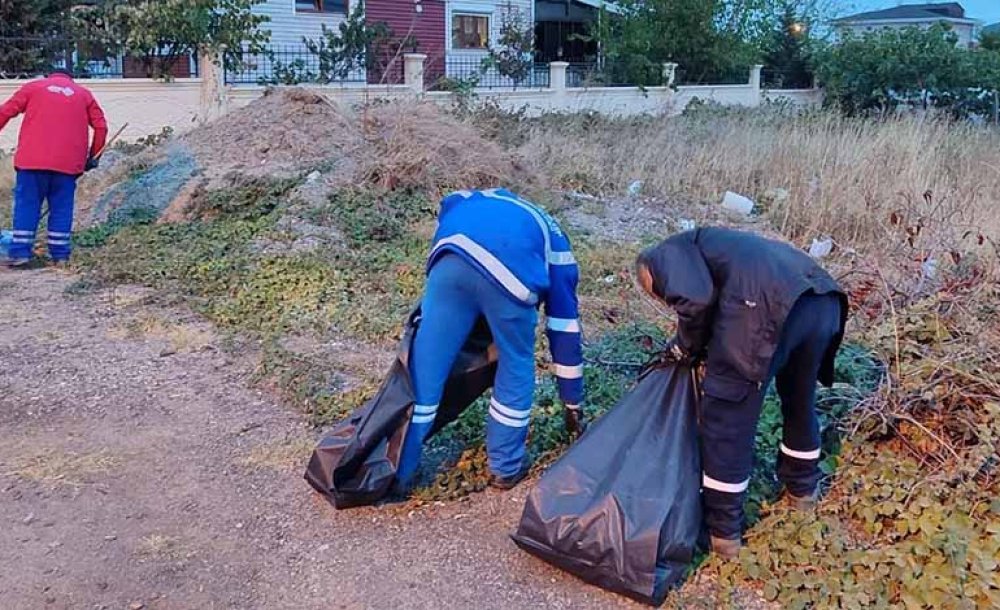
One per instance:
(470,31)
(321,6)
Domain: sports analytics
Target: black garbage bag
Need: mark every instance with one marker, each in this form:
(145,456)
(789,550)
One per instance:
(355,463)
(622,508)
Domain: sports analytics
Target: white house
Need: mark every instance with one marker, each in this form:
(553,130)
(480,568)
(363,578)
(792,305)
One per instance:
(919,15)
(291,20)
(460,29)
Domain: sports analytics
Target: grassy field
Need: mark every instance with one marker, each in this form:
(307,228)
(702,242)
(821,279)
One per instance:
(911,518)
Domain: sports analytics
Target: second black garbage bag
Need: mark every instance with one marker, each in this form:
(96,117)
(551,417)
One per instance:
(355,463)
(622,508)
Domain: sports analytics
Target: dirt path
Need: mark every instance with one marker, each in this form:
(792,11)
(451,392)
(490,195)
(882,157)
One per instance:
(138,469)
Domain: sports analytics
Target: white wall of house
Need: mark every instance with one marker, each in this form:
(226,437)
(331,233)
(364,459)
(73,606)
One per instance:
(965,29)
(289,26)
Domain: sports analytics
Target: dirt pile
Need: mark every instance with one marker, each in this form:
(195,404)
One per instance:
(419,146)
(281,133)
(404,144)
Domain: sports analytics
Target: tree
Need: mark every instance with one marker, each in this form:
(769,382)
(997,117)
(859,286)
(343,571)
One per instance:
(914,67)
(787,58)
(355,47)
(512,56)
(711,40)
(990,41)
(161,32)
(31,36)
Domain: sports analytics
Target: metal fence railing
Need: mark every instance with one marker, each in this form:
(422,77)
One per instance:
(772,78)
(734,76)
(614,74)
(290,65)
(481,72)
(24,58)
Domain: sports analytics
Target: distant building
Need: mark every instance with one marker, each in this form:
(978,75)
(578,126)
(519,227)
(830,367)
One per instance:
(919,15)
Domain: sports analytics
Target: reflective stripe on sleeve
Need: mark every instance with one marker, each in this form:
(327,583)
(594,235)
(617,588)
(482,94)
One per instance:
(562,258)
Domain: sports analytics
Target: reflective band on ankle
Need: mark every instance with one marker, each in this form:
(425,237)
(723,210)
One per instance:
(800,455)
(731,488)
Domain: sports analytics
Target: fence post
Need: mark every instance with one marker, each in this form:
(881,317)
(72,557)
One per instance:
(212,72)
(413,71)
(669,74)
(557,75)
(755,71)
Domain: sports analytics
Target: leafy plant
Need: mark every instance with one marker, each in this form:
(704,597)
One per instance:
(32,32)
(512,54)
(912,67)
(355,48)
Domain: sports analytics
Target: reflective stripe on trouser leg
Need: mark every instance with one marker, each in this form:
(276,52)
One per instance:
(810,326)
(447,316)
(729,412)
(513,327)
(29,194)
(420,426)
(61,194)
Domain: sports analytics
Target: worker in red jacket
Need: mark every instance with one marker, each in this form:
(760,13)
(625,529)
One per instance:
(53,150)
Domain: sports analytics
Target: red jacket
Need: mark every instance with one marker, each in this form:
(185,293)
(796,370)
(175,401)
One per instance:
(54,135)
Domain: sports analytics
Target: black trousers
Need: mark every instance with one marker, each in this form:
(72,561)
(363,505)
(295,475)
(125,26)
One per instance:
(731,408)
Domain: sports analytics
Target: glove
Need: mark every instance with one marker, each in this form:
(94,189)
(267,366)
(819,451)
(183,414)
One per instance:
(92,163)
(573,420)
(675,352)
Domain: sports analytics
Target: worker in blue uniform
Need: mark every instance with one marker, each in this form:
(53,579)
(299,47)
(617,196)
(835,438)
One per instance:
(501,257)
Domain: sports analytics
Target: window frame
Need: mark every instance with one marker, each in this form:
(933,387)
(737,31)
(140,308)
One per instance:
(319,7)
(456,14)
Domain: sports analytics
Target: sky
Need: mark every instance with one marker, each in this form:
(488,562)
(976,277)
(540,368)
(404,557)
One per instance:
(986,10)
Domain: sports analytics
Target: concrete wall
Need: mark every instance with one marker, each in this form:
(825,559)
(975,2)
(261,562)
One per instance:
(147,106)
(803,98)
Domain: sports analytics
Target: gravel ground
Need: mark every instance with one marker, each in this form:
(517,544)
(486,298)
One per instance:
(138,470)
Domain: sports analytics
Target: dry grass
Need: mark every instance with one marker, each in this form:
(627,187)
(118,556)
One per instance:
(6,189)
(62,468)
(158,546)
(289,454)
(912,205)
(400,144)
(845,177)
(419,146)
(181,337)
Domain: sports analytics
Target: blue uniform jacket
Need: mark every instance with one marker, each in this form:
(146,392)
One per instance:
(521,248)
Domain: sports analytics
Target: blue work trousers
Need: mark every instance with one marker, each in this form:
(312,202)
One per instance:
(457,293)
(32,189)
(731,408)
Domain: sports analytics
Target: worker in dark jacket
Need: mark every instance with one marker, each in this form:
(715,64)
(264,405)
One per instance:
(53,149)
(755,310)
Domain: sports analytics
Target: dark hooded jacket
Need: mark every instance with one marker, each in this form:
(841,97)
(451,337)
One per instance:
(732,291)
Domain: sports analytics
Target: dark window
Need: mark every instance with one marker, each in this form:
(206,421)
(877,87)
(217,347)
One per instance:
(321,6)
(470,31)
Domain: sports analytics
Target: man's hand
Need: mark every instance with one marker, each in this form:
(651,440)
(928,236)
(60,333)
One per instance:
(92,163)
(573,419)
(677,353)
